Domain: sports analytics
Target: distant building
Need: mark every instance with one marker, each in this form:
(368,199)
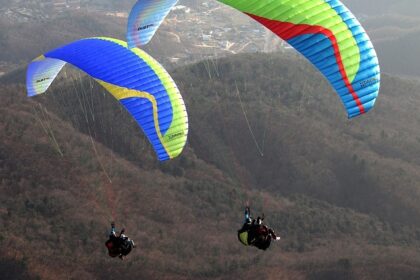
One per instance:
(181,8)
(117,14)
(206,37)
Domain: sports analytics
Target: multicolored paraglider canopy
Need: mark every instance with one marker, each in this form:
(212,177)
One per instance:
(330,37)
(324,31)
(133,77)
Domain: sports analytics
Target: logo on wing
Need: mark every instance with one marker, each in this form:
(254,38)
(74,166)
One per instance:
(145,27)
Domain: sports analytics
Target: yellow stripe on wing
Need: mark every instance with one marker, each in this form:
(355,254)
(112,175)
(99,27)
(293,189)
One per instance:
(122,93)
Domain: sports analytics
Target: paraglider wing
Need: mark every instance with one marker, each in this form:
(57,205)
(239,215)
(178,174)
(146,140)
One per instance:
(330,37)
(144,20)
(133,77)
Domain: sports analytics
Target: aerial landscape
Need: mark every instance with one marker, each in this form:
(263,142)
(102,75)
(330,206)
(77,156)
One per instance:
(171,121)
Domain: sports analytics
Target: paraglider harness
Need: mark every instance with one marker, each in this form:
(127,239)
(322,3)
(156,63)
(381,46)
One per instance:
(255,233)
(118,246)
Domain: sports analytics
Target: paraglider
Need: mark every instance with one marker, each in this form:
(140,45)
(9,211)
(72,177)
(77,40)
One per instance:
(144,20)
(118,246)
(137,81)
(324,31)
(133,77)
(255,233)
(331,38)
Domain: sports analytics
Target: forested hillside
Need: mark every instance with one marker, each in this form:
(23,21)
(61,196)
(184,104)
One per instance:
(305,133)
(342,193)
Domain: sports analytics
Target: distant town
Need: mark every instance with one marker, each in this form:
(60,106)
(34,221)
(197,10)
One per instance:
(206,29)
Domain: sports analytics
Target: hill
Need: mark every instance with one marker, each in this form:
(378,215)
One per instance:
(342,194)
(375,7)
(25,41)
